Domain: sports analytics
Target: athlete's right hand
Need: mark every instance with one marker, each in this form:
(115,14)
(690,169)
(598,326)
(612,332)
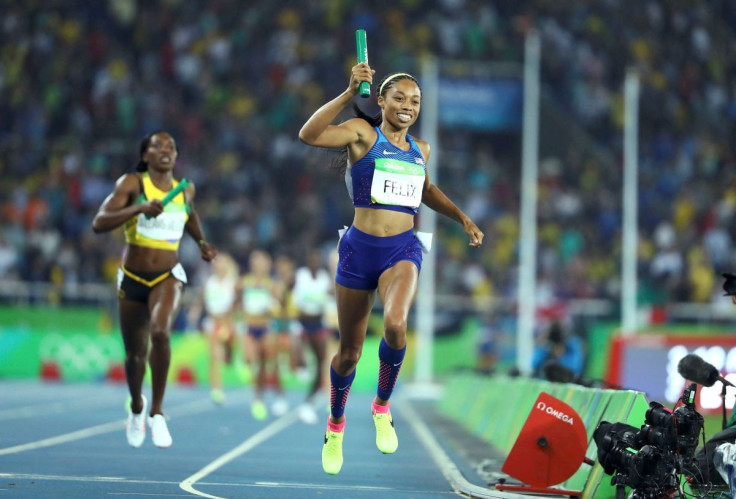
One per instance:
(361,72)
(152,208)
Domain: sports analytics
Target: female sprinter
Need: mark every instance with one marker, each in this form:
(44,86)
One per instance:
(151,279)
(256,296)
(218,301)
(387,180)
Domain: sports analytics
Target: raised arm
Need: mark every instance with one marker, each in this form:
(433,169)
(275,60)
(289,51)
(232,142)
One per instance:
(436,200)
(119,206)
(318,130)
(194,228)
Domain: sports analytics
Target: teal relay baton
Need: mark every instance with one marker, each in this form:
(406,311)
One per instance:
(183,184)
(361,47)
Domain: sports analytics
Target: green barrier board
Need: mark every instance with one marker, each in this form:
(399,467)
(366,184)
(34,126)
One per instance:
(498,407)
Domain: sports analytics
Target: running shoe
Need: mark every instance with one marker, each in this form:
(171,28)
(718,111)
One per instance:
(386,439)
(332,452)
(218,396)
(307,414)
(258,410)
(280,407)
(135,427)
(159,431)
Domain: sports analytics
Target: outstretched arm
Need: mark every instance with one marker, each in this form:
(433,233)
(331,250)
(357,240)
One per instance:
(118,207)
(435,199)
(194,228)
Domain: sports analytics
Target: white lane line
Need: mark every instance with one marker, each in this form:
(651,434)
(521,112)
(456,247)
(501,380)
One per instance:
(451,472)
(140,494)
(51,408)
(182,410)
(121,480)
(70,478)
(256,439)
(288,485)
(67,437)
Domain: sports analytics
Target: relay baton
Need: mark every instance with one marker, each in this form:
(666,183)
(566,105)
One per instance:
(183,184)
(361,46)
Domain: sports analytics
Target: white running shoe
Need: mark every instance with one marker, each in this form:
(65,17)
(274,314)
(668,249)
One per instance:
(280,407)
(135,427)
(307,414)
(159,431)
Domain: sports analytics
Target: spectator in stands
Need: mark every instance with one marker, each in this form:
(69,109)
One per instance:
(559,348)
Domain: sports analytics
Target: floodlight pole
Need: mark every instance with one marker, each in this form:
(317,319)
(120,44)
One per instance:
(630,203)
(425,306)
(528,236)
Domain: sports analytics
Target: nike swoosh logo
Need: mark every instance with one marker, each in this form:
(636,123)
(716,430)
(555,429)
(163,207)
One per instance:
(341,389)
(397,365)
(389,152)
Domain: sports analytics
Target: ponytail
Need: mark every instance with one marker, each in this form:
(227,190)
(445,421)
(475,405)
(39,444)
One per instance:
(374,120)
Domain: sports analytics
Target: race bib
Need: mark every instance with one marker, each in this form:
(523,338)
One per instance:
(257,301)
(165,227)
(398,183)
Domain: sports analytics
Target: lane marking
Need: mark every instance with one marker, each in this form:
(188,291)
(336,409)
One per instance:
(51,408)
(140,494)
(256,439)
(187,409)
(451,472)
(119,480)
(71,478)
(287,485)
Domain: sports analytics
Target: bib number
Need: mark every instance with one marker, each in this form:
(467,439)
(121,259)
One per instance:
(165,227)
(397,183)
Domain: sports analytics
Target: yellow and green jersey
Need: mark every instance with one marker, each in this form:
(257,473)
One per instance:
(164,231)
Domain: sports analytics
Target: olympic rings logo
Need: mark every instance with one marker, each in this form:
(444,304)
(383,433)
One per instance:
(80,355)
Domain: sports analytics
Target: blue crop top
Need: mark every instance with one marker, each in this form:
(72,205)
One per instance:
(359,176)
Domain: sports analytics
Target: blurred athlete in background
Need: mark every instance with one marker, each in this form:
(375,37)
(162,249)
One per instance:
(311,295)
(256,296)
(285,324)
(218,301)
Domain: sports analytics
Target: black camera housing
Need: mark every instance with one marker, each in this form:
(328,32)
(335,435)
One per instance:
(649,458)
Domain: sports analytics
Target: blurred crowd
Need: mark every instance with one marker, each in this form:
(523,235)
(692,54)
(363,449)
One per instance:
(82,82)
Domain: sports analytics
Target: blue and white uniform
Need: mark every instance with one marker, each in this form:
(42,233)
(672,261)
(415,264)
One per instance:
(386,178)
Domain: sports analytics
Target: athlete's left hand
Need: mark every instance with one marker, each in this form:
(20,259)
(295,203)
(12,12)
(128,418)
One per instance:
(208,251)
(474,233)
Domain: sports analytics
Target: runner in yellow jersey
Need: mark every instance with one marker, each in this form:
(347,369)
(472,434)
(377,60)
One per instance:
(151,279)
(256,295)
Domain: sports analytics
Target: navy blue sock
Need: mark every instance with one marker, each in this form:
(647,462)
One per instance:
(339,389)
(390,361)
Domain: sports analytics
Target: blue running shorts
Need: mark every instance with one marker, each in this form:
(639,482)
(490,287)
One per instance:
(363,257)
